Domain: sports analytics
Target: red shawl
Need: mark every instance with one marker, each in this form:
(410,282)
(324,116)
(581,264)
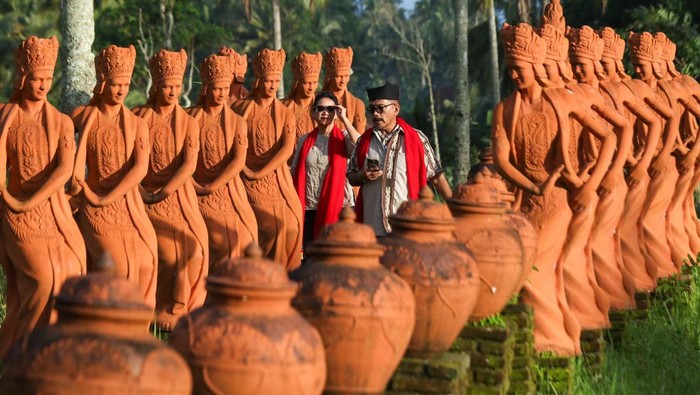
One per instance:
(330,203)
(416,172)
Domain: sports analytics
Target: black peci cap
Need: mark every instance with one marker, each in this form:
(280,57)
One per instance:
(388,91)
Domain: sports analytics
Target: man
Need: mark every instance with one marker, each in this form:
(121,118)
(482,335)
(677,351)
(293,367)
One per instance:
(387,162)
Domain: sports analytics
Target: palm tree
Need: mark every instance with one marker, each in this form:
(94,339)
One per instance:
(277,26)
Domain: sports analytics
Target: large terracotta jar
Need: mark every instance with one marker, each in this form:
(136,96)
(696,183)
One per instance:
(247,338)
(485,172)
(423,250)
(100,345)
(483,228)
(365,313)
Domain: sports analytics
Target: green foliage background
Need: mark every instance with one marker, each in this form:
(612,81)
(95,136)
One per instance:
(207,24)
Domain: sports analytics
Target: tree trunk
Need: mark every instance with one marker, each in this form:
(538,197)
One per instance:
(433,116)
(493,41)
(462,116)
(277,34)
(78,30)
(524,7)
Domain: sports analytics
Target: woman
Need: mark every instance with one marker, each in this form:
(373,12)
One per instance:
(320,163)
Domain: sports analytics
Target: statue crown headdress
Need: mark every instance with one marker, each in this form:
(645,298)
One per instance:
(239,63)
(643,46)
(668,52)
(216,68)
(307,65)
(557,44)
(115,61)
(614,45)
(554,15)
(520,42)
(585,43)
(168,64)
(35,54)
(338,60)
(269,62)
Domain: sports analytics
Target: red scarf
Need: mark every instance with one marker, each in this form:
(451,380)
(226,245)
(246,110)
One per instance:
(416,172)
(330,203)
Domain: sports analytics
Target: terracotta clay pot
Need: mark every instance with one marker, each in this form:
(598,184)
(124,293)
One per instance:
(247,338)
(423,250)
(365,313)
(485,172)
(482,227)
(100,345)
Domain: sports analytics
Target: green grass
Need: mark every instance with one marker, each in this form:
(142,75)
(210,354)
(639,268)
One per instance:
(660,355)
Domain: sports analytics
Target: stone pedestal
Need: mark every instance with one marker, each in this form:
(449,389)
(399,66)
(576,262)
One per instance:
(522,375)
(555,374)
(491,350)
(593,348)
(446,374)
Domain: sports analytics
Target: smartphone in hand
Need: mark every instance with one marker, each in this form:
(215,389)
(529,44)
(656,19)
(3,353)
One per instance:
(372,164)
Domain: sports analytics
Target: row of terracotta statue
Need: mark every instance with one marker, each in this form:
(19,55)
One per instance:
(604,166)
(166,191)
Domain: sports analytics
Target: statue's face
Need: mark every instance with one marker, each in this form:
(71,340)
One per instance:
(609,66)
(269,85)
(37,85)
(168,91)
(522,73)
(584,70)
(644,70)
(307,87)
(340,81)
(115,90)
(552,69)
(217,93)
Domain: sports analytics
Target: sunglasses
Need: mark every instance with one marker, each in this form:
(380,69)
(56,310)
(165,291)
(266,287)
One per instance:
(324,108)
(378,108)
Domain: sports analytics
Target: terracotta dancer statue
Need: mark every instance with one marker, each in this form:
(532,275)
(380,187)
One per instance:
(167,190)
(306,68)
(624,91)
(587,159)
(239,66)
(223,140)
(530,129)
(113,149)
(338,63)
(692,224)
(585,50)
(646,56)
(41,243)
(266,175)
(681,242)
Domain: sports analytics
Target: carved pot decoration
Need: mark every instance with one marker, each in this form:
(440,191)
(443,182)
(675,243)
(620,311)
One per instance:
(423,250)
(483,228)
(247,338)
(99,345)
(365,313)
